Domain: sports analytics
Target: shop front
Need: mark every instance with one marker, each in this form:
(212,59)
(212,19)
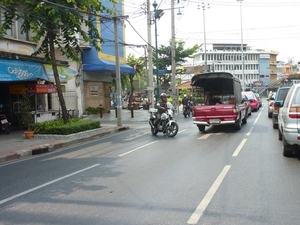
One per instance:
(39,97)
(19,77)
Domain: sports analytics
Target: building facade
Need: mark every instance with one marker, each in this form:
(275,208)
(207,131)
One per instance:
(249,65)
(84,84)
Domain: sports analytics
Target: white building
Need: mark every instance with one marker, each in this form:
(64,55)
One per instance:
(228,58)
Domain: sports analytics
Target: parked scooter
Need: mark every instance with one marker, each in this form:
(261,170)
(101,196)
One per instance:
(4,124)
(166,124)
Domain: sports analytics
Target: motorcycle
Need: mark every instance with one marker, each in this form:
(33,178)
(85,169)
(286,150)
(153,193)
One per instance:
(4,124)
(166,124)
(187,110)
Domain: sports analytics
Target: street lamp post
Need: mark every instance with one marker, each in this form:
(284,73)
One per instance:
(242,46)
(156,51)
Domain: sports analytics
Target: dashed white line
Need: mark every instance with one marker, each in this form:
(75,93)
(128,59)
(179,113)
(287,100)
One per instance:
(181,131)
(248,134)
(258,116)
(236,152)
(208,197)
(204,136)
(45,184)
(137,148)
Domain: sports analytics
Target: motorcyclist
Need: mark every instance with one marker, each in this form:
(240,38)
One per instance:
(186,102)
(161,106)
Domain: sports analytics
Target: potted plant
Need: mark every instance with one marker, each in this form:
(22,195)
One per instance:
(26,115)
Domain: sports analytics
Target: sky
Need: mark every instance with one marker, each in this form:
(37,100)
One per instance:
(262,24)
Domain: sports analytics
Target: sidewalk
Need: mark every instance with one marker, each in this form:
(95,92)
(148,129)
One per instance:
(14,145)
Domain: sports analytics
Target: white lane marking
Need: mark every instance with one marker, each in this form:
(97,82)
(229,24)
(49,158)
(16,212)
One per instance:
(204,136)
(61,149)
(249,131)
(181,131)
(208,197)
(236,152)
(132,137)
(45,184)
(137,148)
(258,116)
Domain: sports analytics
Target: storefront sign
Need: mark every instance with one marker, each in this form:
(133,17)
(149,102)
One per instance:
(258,83)
(32,89)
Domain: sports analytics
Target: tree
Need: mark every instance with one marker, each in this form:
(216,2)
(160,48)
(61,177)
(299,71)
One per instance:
(138,64)
(56,23)
(181,55)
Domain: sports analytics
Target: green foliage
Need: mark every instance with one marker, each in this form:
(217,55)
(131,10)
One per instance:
(93,110)
(127,81)
(180,100)
(181,55)
(75,125)
(26,107)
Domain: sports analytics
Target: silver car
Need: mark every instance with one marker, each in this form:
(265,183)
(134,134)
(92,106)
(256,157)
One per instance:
(289,121)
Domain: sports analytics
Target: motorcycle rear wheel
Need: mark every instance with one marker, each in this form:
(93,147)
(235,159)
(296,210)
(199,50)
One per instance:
(172,130)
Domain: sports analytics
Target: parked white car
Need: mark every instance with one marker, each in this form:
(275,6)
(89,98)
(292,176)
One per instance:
(289,123)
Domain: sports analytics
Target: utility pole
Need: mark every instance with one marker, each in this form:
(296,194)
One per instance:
(205,54)
(242,46)
(174,93)
(118,73)
(156,16)
(150,57)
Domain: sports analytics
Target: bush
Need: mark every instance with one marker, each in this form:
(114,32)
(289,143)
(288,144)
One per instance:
(93,110)
(58,127)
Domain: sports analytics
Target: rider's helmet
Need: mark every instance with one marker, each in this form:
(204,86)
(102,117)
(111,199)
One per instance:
(184,95)
(163,95)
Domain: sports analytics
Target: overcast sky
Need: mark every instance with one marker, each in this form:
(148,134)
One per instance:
(266,24)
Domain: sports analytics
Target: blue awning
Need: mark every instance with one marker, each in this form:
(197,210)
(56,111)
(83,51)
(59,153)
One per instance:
(106,65)
(19,70)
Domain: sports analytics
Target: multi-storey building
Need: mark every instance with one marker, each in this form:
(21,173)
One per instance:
(84,84)
(248,65)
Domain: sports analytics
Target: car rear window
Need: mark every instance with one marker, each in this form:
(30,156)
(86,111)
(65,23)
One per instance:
(249,96)
(282,93)
(296,99)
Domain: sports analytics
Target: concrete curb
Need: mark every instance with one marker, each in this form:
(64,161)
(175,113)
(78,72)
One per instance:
(64,142)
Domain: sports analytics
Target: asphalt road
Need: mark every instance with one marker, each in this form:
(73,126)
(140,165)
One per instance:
(221,176)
